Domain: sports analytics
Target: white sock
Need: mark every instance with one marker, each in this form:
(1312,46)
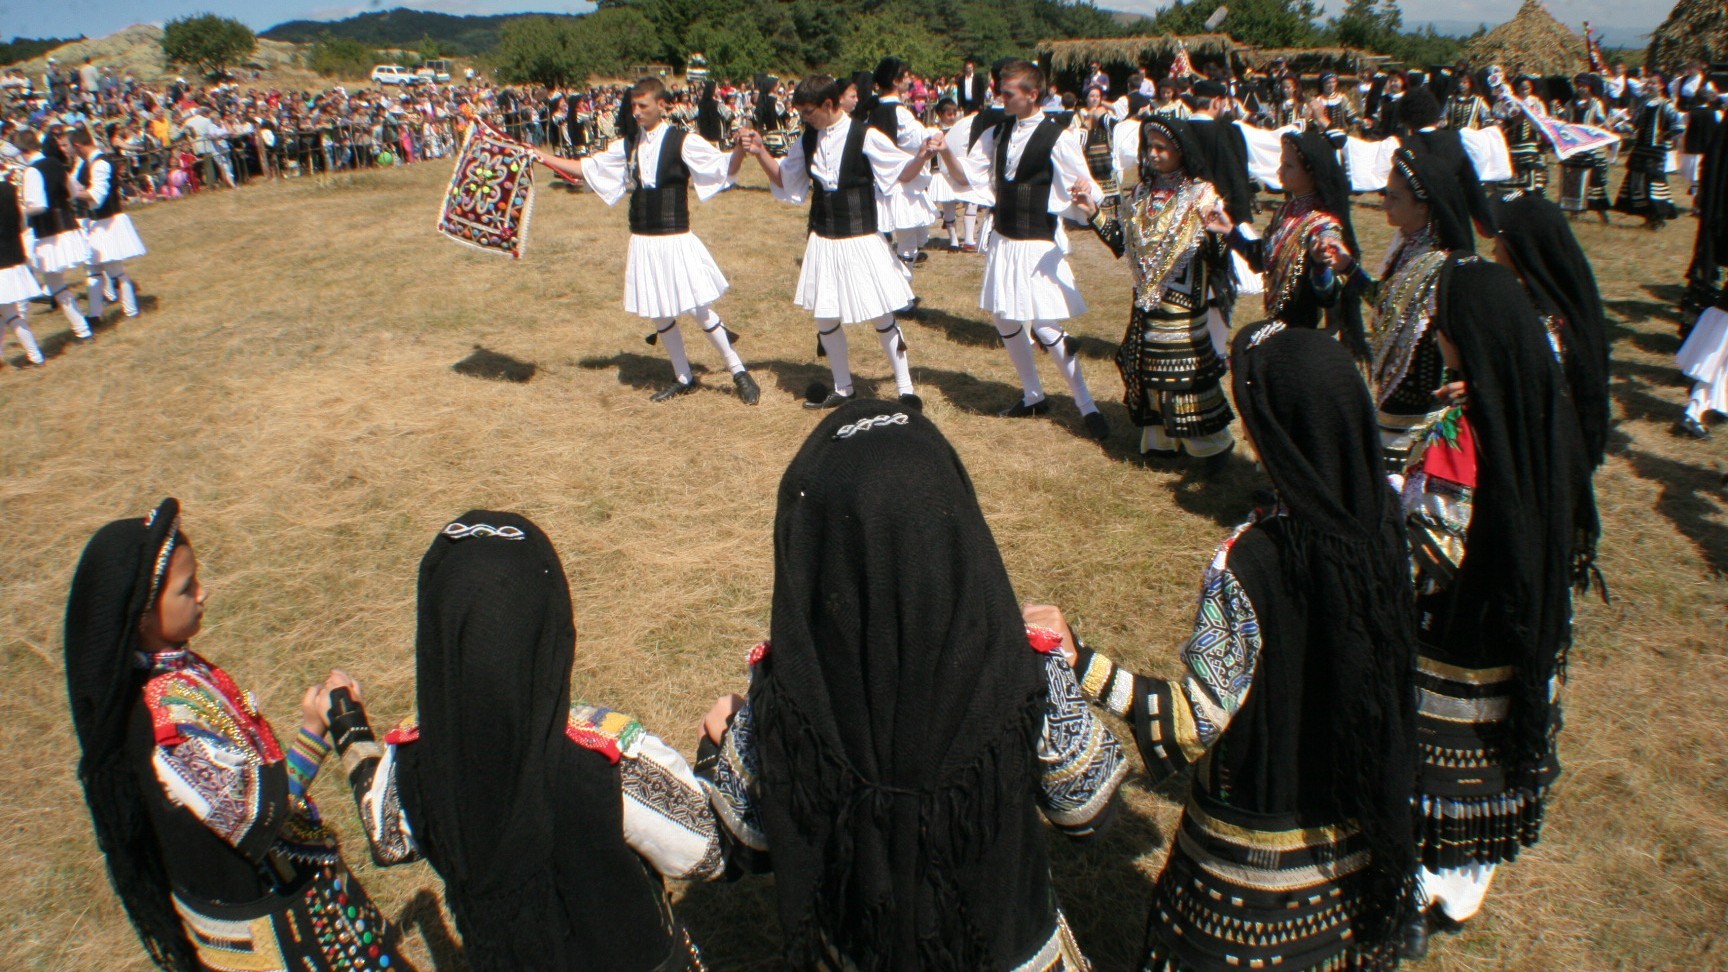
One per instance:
(1697,403)
(906,243)
(63,296)
(833,337)
(1052,338)
(892,340)
(1018,339)
(672,339)
(970,221)
(98,295)
(128,295)
(716,330)
(114,272)
(16,322)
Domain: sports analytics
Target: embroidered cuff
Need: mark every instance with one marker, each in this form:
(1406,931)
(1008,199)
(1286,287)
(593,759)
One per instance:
(304,758)
(1105,682)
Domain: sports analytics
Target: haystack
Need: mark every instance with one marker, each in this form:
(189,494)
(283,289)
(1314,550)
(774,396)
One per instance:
(1532,42)
(1696,30)
(1068,56)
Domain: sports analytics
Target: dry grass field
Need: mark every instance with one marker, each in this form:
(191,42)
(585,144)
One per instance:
(292,384)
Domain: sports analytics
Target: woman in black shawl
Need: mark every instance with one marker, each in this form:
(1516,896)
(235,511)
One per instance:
(1500,503)
(888,758)
(1295,717)
(1425,204)
(215,850)
(1301,287)
(709,124)
(1536,243)
(551,824)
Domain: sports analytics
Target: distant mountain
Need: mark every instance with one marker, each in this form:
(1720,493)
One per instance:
(403,28)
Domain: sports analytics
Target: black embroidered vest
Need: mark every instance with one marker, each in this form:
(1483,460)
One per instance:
(665,209)
(1023,202)
(850,208)
(11,227)
(58,217)
(111,206)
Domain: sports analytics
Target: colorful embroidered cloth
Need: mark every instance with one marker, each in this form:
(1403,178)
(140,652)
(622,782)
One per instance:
(491,193)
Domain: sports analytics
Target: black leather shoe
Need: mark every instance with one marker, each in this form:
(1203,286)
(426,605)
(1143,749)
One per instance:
(1215,464)
(1020,409)
(1692,427)
(673,391)
(912,401)
(834,400)
(1097,426)
(748,392)
(1413,942)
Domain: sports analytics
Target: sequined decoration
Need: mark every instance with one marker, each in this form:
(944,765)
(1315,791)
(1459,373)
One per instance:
(350,931)
(1163,225)
(491,196)
(1401,317)
(1298,224)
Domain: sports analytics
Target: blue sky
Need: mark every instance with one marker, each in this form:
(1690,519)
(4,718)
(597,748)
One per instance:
(1625,19)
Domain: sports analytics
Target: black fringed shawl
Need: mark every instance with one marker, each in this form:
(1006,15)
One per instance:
(1332,187)
(1560,281)
(524,826)
(119,578)
(898,712)
(1333,698)
(1511,601)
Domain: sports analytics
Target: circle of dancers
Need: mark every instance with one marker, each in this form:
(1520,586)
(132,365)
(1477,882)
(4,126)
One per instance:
(1365,713)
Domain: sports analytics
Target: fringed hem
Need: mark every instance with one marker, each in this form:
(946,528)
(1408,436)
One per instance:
(1454,831)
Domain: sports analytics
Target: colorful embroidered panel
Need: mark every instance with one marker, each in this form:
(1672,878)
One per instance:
(491,193)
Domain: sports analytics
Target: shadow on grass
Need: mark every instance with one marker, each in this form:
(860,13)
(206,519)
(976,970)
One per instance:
(1686,500)
(494,366)
(1103,894)
(423,912)
(978,333)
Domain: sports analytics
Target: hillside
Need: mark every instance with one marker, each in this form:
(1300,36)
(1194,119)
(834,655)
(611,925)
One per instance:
(403,28)
(137,51)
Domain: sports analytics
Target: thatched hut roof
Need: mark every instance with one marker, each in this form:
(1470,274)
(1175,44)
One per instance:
(1312,60)
(1532,42)
(1076,55)
(1696,30)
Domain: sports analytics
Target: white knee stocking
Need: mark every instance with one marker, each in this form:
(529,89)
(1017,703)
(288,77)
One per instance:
(1053,338)
(115,272)
(833,337)
(716,330)
(666,328)
(970,221)
(63,296)
(1018,340)
(894,346)
(15,321)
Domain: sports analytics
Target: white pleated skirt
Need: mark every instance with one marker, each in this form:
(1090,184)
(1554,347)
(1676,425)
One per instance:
(1248,283)
(665,276)
(854,279)
(907,207)
(17,284)
(1030,280)
(114,239)
(60,253)
(1704,356)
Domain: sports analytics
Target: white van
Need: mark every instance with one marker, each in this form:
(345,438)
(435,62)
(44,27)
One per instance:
(392,74)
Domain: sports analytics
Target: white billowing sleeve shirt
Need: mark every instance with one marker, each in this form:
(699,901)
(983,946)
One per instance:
(886,162)
(608,173)
(1070,176)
